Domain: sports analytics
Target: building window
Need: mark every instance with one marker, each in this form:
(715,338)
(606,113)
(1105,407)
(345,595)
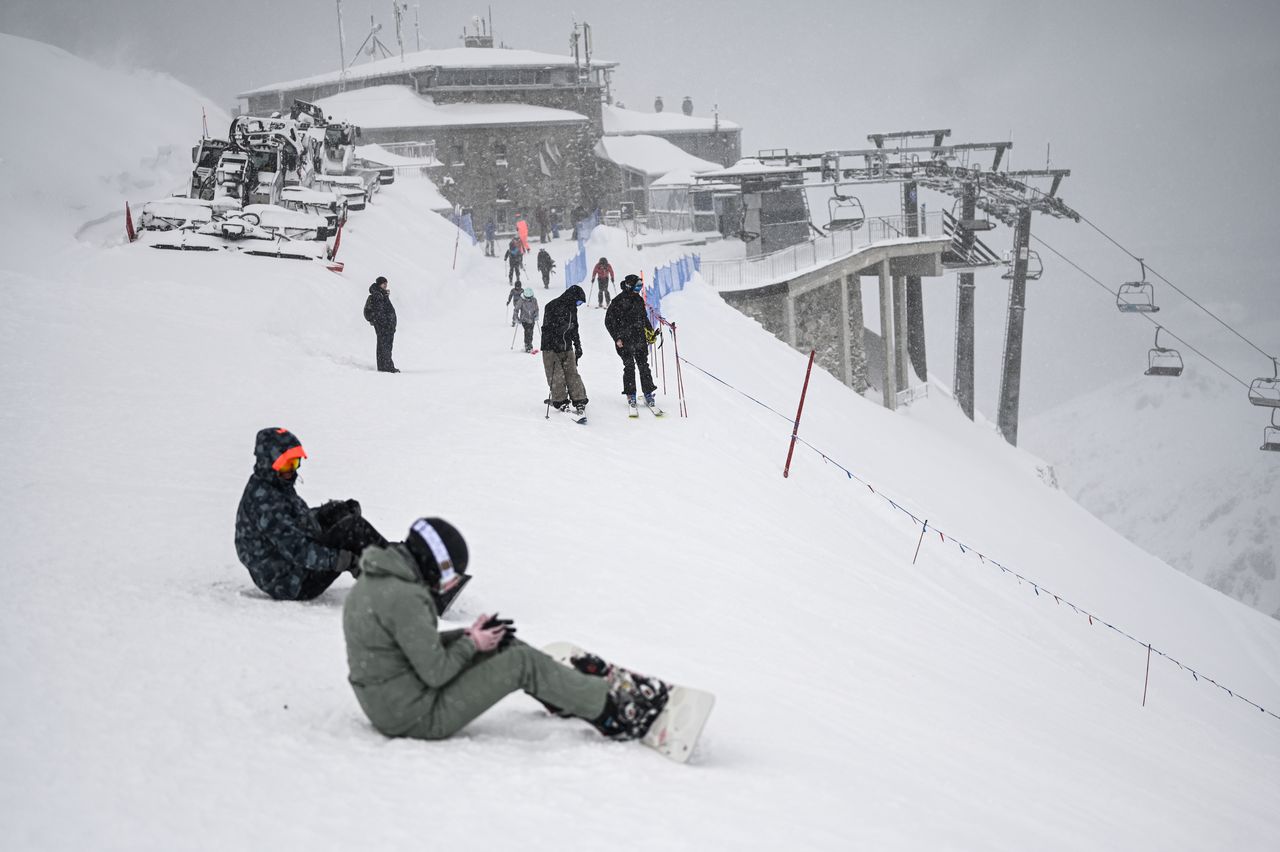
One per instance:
(455,155)
(500,153)
(502,193)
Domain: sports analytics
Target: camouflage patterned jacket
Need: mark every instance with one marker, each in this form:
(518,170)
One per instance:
(276,533)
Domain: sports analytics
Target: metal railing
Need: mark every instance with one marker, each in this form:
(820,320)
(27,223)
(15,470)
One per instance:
(809,255)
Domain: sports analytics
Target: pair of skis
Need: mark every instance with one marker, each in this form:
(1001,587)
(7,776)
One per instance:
(634,408)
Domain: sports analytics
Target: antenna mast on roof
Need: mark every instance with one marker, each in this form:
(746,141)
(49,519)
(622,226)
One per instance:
(375,44)
(342,52)
(398,10)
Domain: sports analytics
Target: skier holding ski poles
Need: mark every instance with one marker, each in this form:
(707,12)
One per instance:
(628,323)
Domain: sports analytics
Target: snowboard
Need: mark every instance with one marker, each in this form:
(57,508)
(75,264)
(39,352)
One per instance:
(675,732)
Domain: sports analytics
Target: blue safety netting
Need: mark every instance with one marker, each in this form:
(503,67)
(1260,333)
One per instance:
(669,279)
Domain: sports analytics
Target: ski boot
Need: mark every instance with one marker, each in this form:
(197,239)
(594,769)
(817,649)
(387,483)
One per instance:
(632,411)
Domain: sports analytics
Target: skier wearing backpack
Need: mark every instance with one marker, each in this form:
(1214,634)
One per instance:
(602,274)
(293,552)
(628,323)
(545,265)
(414,680)
(490,230)
(562,349)
(515,261)
(526,313)
(381,314)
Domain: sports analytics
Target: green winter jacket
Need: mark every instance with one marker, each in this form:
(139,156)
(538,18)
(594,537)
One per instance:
(396,657)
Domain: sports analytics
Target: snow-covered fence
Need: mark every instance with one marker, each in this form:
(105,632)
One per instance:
(575,271)
(669,279)
(810,254)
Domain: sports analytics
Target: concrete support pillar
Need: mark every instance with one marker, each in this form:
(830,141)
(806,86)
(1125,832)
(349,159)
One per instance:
(914,291)
(886,335)
(900,338)
(789,316)
(857,337)
(846,353)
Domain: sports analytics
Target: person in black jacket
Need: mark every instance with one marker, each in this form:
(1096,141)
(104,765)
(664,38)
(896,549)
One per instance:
(293,552)
(379,311)
(562,349)
(545,265)
(628,323)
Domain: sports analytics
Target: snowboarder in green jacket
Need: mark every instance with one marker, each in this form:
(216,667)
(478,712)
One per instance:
(413,680)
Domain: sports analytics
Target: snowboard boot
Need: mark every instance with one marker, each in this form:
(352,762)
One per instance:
(633,703)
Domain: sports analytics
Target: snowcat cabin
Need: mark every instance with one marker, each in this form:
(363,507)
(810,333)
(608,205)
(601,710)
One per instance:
(205,157)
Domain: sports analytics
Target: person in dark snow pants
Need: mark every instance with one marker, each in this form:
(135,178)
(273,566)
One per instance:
(545,265)
(381,314)
(526,313)
(293,552)
(628,323)
(602,275)
(413,680)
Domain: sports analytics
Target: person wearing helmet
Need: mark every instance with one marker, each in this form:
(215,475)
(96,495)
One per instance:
(514,257)
(413,680)
(526,313)
(602,274)
(293,552)
(628,323)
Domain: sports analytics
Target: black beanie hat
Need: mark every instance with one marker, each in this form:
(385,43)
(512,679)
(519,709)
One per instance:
(438,549)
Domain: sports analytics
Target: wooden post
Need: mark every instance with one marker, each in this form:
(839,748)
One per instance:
(795,428)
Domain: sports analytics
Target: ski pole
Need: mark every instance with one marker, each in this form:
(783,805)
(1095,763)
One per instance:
(513,337)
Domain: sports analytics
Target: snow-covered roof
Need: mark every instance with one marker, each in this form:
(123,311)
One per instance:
(750,167)
(377,154)
(651,155)
(619,121)
(452,57)
(400,106)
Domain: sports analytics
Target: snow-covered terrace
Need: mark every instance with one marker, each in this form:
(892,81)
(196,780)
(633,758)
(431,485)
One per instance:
(650,155)
(422,60)
(625,122)
(399,106)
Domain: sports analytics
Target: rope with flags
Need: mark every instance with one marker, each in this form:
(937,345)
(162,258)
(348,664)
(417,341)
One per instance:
(968,550)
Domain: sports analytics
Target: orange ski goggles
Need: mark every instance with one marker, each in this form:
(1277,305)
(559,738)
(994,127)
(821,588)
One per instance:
(289,460)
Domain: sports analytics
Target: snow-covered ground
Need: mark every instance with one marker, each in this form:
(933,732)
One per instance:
(152,700)
(1174,465)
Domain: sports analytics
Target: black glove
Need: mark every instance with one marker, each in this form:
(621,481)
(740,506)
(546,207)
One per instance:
(577,354)
(507,624)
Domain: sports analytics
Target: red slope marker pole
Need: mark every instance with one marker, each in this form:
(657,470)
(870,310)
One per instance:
(128,224)
(795,429)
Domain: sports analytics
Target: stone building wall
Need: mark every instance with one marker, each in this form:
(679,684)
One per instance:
(817,324)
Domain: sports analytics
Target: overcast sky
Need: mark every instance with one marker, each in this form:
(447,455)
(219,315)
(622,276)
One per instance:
(1167,112)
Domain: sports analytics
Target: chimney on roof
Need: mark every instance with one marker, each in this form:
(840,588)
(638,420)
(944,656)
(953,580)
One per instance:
(687,106)
(657,104)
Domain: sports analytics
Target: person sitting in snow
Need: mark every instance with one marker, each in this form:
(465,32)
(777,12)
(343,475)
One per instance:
(413,680)
(293,552)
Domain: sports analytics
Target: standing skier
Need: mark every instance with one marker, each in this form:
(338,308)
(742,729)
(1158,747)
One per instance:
(413,680)
(526,313)
(490,231)
(544,223)
(602,274)
(545,265)
(293,552)
(515,261)
(381,314)
(628,323)
(562,349)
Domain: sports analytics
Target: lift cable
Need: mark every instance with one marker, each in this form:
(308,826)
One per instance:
(1220,320)
(1167,330)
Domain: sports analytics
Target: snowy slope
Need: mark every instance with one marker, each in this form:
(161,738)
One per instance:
(153,701)
(1174,465)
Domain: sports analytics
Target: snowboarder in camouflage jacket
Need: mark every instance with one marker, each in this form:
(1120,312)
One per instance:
(293,552)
